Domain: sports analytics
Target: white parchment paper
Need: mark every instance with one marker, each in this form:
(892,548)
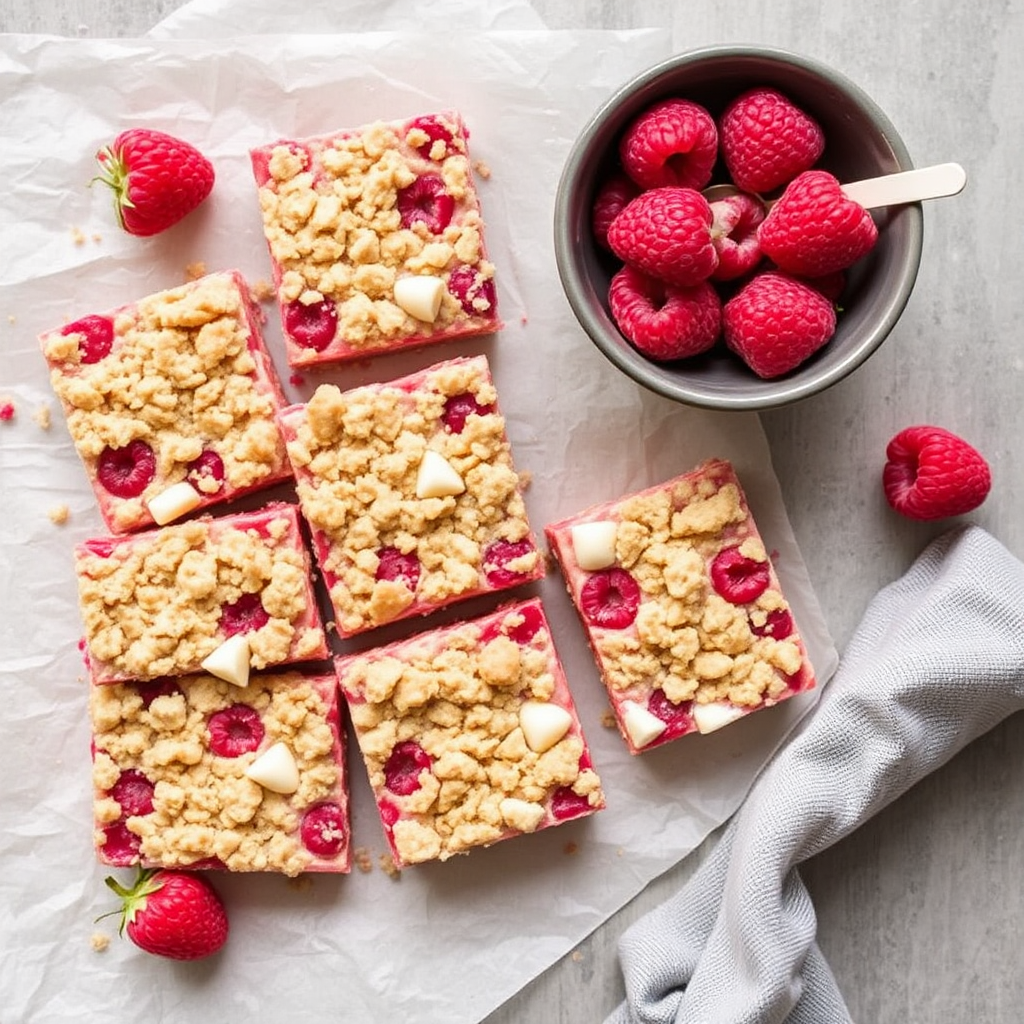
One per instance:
(445,942)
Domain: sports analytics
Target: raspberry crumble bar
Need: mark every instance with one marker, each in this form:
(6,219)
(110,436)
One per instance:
(410,493)
(469,734)
(225,593)
(376,239)
(196,773)
(681,606)
(171,401)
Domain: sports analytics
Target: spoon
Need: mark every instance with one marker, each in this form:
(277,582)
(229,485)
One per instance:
(886,190)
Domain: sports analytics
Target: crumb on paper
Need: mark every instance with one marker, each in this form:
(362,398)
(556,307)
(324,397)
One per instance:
(77,236)
(262,291)
(524,320)
(608,719)
(570,849)
(577,956)
(42,416)
(482,169)
(99,942)
(388,866)
(194,271)
(7,410)
(59,514)
(300,883)
(525,479)
(297,380)
(362,859)
(97,237)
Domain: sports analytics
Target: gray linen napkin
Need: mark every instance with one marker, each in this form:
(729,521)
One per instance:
(937,660)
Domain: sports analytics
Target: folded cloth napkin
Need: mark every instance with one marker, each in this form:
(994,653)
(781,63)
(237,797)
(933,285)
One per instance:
(937,660)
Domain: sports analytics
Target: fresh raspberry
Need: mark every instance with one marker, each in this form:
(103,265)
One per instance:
(153,688)
(245,615)
(426,201)
(126,472)
(311,324)
(96,337)
(475,292)
(613,196)
(662,321)
(400,566)
(778,625)
(678,718)
(674,142)
(458,409)
(566,804)
(156,179)
(734,235)
(766,140)
(666,233)
(436,131)
(831,285)
(737,578)
(931,473)
(134,792)
(610,598)
(522,633)
(403,767)
(323,830)
(206,472)
(774,322)
(235,730)
(497,558)
(814,229)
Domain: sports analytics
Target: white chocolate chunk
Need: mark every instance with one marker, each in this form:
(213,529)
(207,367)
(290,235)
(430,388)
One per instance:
(230,661)
(521,814)
(437,478)
(543,724)
(275,769)
(174,502)
(709,717)
(420,296)
(594,544)
(641,726)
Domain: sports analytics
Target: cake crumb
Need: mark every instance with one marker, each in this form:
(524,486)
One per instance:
(99,942)
(570,849)
(7,410)
(525,479)
(482,169)
(42,416)
(194,271)
(608,719)
(297,380)
(362,859)
(262,291)
(577,956)
(77,236)
(11,318)
(59,514)
(389,867)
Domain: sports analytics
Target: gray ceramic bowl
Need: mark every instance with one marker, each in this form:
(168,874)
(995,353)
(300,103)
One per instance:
(861,142)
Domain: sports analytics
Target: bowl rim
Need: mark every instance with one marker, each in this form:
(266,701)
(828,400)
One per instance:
(771,394)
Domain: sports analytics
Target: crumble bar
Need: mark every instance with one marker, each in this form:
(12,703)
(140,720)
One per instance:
(160,602)
(376,239)
(170,401)
(410,492)
(180,774)
(469,734)
(681,606)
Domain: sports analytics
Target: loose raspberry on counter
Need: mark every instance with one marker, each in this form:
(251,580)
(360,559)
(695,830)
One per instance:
(674,142)
(774,323)
(666,233)
(814,230)
(766,140)
(662,321)
(930,473)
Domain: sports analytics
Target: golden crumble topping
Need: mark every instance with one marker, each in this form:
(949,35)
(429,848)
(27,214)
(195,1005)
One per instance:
(204,806)
(154,604)
(453,704)
(185,375)
(357,456)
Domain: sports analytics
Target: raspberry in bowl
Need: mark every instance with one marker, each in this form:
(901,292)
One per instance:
(643,163)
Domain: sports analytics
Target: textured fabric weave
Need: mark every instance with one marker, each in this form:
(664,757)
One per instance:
(937,660)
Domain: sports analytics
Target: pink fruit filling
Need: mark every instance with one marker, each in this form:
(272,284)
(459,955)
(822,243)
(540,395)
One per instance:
(403,766)
(323,830)
(134,792)
(245,615)
(120,846)
(401,567)
(778,625)
(474,291)
(567,804)
(312,325)
(678,717)
(499,556)
(426,202)
(97,337)
(737,578)
(458,409)
(610,598)
(126,472)
(522,633)
(235,731)
(149,691)
(206,473)
(435,132)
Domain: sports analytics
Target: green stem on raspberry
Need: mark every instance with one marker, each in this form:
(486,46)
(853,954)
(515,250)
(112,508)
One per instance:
(133,897)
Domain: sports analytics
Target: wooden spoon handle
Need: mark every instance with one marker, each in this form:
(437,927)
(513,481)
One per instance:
(908,186)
